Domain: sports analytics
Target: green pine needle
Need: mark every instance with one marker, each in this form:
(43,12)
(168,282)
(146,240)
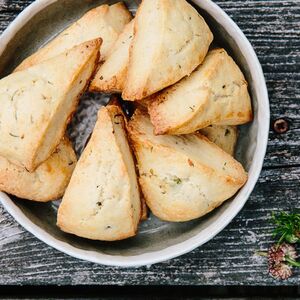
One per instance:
(287,227)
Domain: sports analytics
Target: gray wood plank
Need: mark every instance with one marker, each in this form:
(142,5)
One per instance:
(227,259)
(272,27)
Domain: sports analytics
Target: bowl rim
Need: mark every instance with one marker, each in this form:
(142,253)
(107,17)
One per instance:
(225,218)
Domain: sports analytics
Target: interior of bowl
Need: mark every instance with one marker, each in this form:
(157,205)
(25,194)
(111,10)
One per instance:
(154,235)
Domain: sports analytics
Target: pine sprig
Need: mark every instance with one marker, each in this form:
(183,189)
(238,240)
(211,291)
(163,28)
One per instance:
(287,227)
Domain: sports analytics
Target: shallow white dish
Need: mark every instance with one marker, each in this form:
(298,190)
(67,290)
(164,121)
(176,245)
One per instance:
(157,241)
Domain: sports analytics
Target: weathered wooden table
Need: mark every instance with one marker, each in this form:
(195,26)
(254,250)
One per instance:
(273,27)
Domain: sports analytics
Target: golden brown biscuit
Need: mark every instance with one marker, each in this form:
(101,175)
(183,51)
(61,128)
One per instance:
(111,75)
(48,182)
(37,103)
(216,93)
(170,40)
(182,177)
(105,22)
(102,201)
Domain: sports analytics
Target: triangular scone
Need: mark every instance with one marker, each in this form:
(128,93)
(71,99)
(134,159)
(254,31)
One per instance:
(48,182)
(112,74)
(216,93)
(182,177)
(102,201)
(105,22)
(37,103)
(171,39)
(223,136)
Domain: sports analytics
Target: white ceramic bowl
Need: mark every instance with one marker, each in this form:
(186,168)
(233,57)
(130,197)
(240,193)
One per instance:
(157,241)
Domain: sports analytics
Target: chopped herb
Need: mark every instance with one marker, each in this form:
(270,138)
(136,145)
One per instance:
(227,132)
(99,204)
(13,135)
(71,163)
(177,180)
(224,166)
(108,227)
(192,108)
(101,78)
(13,95)
(49,82)
(151,172)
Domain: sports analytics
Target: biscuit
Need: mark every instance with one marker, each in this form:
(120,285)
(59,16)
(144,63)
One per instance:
(102,201)
(182,177)
(216,93)
(170,40)
(37,104)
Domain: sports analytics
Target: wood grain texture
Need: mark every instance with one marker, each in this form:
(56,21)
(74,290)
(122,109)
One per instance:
(272,27)
(227,259)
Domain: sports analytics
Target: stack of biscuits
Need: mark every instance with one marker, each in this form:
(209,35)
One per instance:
(174,155)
